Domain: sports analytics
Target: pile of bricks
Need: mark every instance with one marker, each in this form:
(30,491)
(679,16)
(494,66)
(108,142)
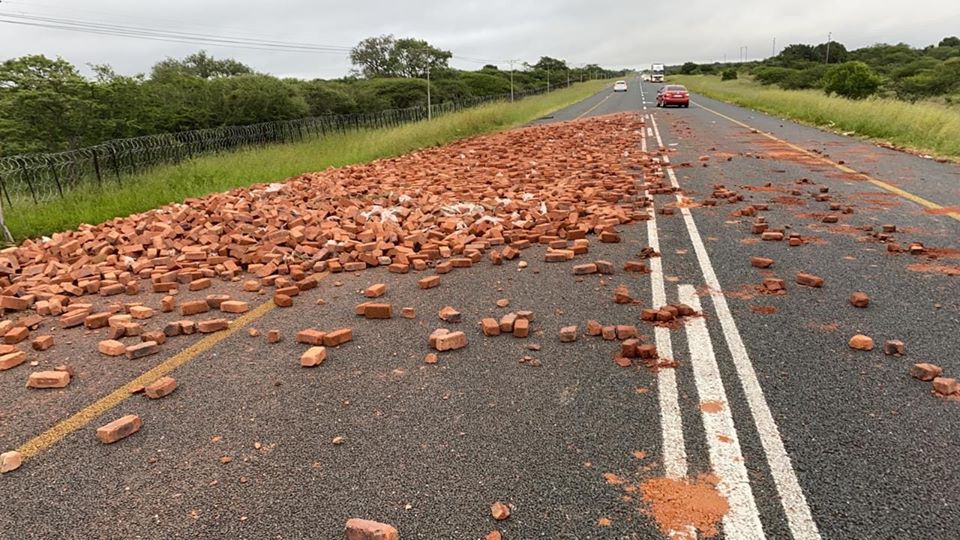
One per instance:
(441,207)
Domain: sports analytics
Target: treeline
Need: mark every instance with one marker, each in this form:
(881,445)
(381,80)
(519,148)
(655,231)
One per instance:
(898,71)
(46,105)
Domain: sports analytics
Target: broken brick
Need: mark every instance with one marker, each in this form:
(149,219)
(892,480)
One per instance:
(809,280)
(925,371)
(273,336)
(234,306)
(499,511)
(314,356)
(521,328)
(282,300)
(363,529)
(626,331)
(140,350)
(16,335)
(112,347)
(161,387)
(429,282)
(594,328)
(859,299)
(568,334)
(490,327)
(449,314)
(507,322)
(408,313)
(761,262)
(861,342)
(894,347)
(582,269)
(10,461)
(375,291)
(946,385)
(609,333)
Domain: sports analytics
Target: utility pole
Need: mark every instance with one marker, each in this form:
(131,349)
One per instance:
(511,78)
(745,53)
(829,39)
(773,51)
(429,107)
(548,79)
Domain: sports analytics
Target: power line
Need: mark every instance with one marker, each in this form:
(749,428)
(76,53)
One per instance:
(140,32)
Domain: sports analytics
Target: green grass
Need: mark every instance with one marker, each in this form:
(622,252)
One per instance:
(923,126)
(222,172)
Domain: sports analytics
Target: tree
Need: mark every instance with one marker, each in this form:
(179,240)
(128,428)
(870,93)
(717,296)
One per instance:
(45,105)
(797,52)
(689,68)
(728,75)
(550,64)
(854,80)
(838,53)
(386,56)
(952,41)
(199,64)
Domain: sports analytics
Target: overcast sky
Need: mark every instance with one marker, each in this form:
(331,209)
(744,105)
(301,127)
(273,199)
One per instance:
(626,33)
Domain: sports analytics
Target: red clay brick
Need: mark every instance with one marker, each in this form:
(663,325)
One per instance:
(193,307)
(375,291)
(894,347)
(861,342)
(12,360)
(490,327)
(119,429)
(594,328)
(112,347)
(451,341)
(408,313)
(234,306)
(946,386)
(311,336)
(521,328)
(429,282)
(582,269)
(162,387)
(378,311)
(925,371)
(449,314)
(809,280)
(48,379)
(209,326)
(338,337)
(200,284)
(859,299)
(282,300)
(761,262)
(140,350)
(314,356)
(568,334)
(16,335)
(363,529)
(273,336)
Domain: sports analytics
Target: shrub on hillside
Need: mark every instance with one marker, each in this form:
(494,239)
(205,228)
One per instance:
(809,77)
(728,75)
(854,80)
(772,75)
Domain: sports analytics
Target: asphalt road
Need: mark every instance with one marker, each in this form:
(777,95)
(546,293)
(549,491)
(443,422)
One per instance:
(825,441)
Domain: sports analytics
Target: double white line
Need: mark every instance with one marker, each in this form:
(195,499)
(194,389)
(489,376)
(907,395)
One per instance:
(726,458)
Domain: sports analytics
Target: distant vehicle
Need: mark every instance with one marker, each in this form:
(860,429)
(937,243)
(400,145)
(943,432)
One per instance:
(620,86)
(673,94)
(656,73)
(645,77)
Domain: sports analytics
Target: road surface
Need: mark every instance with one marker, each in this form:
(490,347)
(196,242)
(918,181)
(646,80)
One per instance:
(808,437)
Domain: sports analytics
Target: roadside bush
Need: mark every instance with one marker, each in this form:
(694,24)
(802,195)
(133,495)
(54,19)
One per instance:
(800,79)
(728,75)
(772,75)
(854,80)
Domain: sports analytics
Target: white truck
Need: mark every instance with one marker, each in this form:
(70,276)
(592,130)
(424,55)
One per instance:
(656,73)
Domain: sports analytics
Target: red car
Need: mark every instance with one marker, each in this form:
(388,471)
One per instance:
(673,94)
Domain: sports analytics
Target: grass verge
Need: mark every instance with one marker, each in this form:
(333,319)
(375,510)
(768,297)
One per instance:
(925,127)
(210,174)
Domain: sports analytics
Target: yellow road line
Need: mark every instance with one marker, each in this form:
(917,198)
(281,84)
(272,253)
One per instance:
(590,110)
(89,413)
(879,183)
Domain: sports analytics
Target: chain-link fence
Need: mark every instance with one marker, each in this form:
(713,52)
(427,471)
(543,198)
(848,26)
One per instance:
(33,178)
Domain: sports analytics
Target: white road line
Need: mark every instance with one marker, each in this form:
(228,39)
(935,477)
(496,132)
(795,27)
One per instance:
(671,423)
(800,520)
(742,521)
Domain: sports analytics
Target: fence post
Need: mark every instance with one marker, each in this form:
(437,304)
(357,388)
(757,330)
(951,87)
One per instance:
(56,176)
(116,162)
(26,176)
(96,166)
